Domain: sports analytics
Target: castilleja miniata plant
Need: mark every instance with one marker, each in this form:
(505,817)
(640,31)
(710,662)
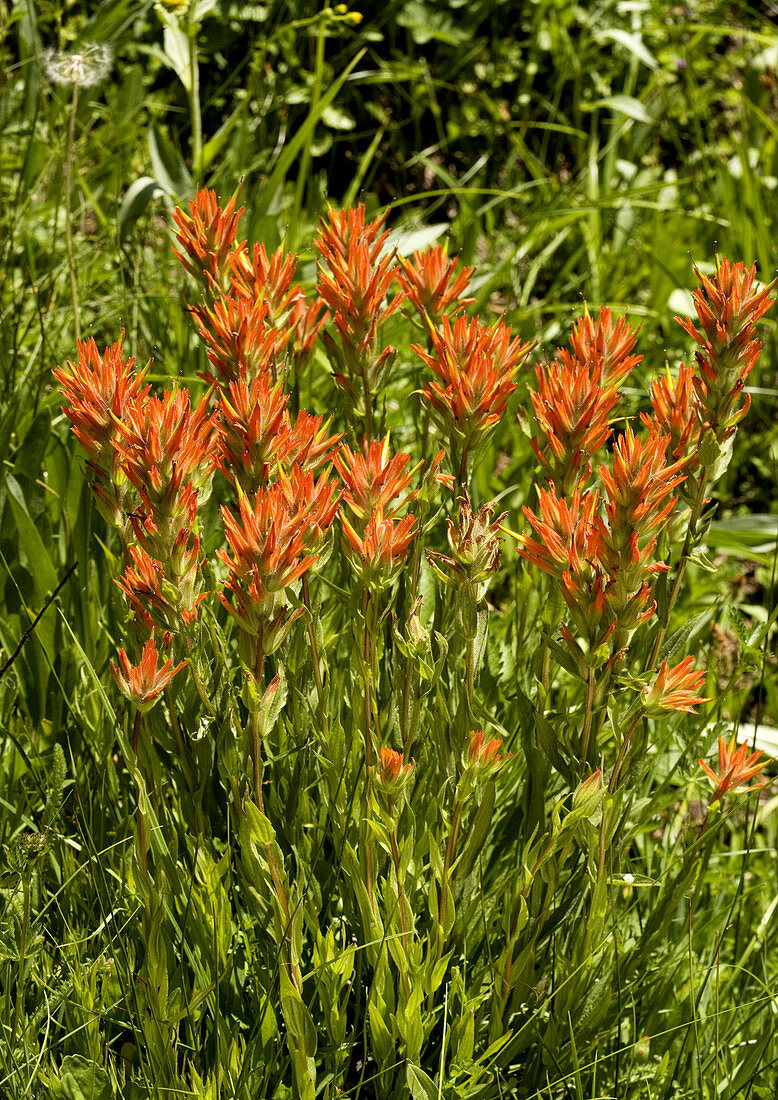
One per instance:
(399,734)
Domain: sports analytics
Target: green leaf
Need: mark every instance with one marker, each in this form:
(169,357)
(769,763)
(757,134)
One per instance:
(420,1084)
(408,241)
(623,105)
(139,195)
(632,42)
(32,552)
(83,1079)
(169,168)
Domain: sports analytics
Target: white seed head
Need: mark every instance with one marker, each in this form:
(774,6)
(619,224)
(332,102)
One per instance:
(86,68)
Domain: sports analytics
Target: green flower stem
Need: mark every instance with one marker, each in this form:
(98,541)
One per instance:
(69,159)
(316,662)
(448,859)
(401,902)
(680,572)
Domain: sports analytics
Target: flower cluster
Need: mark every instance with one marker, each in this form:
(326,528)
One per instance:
(728,307)
(273,538)
(377,493)
(605,566)
(432,284)
(475,374)
(151,460)
(354,281)
(100,391)
(576,395)
(735,768)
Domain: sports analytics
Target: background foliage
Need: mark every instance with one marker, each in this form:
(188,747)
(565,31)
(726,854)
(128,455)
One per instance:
(576,152)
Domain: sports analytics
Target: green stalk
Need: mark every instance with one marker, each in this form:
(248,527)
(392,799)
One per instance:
(69,159)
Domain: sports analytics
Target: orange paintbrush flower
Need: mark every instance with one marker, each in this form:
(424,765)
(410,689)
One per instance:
(576,395)
(207,236)
(485,756)
(378,553)
(241,342)
(155,599)
(143,683)
(677,412)
(375,479)
(735,769)
(354,281)
(475,370)
(268,279)
(604,345)
(432,283)
(572,409)
(674,688)
(728,307)
(271,538)
(253,420)
(393,773)
(639,486)
(166,443)
(101,391)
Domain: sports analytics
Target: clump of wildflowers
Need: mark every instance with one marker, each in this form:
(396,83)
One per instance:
(393,773)
(728,307)
(101,391)
(576,395)
(207,236)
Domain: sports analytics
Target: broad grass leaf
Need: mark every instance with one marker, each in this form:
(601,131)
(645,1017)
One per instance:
(137,198)
(83,1079)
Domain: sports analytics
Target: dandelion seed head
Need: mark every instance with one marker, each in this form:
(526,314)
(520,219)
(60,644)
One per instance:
(84,69)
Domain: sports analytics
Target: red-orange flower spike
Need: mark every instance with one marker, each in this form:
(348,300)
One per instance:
(241,341)
(380,551)
(166,441)
(432,283)
(728,307)
(572,409)
(569,539)
(604,345)
(316,499)
(270,538)
(306,443)
(674,688)
(735,769)
(475,369)
(483,755)
(375,479)
(253,421)
(677,411)
(268,279)
(355,283)
(639,487)
(157,601)
(143,683)
(207,236)
(101,391)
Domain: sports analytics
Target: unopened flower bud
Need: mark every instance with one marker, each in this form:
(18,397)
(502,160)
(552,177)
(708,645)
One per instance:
(484,756)
(588,795)
(393,773)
